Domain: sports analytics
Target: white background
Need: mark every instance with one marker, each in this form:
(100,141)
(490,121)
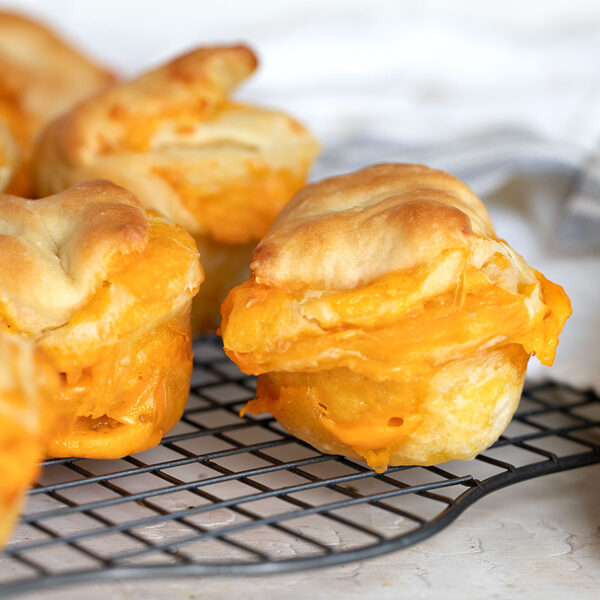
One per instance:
(415,69)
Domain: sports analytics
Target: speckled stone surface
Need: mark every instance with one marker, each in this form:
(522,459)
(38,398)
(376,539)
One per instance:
(538,539)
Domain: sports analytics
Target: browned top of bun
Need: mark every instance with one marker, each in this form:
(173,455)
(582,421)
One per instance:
(174,137)
(348,230)
(194,83)
(55,252)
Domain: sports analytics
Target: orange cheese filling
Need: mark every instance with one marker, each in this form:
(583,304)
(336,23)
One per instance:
(236,210)
(20,453)
(121,396)
(240,209)
(26,420)
(125,400)
(359,414)
(342,412)
(472,315)
(21,449)
(140,128)
(371,352)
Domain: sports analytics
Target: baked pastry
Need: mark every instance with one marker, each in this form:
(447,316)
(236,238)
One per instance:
(171,136)
(7,155)
(104,287)
(27,386)
(387,322)
(40,78)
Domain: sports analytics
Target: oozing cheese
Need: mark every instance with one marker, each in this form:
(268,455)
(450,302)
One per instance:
(238,209)
(365,358)
(125,355)
(27,384)
(127,398)
(447,413)
(384,330)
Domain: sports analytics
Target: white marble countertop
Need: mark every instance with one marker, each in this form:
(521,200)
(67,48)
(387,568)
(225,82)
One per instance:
(537,539)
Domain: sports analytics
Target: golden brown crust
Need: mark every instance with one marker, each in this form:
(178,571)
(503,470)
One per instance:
(57,251)
(173,137)
(348,230)
(196,82)
(41,75)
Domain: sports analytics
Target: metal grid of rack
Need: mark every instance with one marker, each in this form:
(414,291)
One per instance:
(239,496)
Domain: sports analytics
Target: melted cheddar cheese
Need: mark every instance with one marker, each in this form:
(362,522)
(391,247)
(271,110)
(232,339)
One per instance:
(381,330)
(126,399)
(342,412)
(362,360)
(27,384)
(236,210)
(138,132)
(126,355)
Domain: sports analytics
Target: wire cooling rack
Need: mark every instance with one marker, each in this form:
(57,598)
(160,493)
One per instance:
(224,495)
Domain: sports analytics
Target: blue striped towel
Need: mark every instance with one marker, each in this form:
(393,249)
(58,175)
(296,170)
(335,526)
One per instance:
(485,161)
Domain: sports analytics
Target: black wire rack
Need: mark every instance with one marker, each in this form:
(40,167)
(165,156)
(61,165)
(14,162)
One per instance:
(225,495)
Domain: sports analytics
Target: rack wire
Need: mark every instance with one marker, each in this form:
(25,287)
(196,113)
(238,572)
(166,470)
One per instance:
(225,495)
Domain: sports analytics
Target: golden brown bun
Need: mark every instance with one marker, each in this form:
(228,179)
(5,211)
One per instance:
(457,413)
(376,299)
(105,288)
(380,219)
(172,136)
(58,250)
(27,386)
(41,73)
(40,78)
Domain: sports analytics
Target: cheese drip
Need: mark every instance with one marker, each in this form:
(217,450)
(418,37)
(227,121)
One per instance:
(367,356)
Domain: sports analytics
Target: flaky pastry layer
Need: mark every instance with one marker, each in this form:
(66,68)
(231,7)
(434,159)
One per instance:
(56,252)
(173,137)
